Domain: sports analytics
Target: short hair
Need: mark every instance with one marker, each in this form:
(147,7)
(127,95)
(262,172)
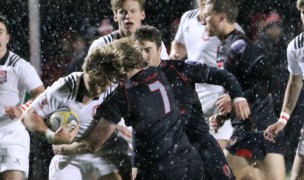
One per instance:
(117,4)
(300,4)
(6,23)
(229,7)
(148,33)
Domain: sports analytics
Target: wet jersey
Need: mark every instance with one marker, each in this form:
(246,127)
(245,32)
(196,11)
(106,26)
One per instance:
(147,104)
(16,77)
(68,92)
(255,74)
(182,77)
(295,55)
(114,36)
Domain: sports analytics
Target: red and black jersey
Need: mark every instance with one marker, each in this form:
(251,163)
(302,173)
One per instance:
(254,72)
(147,104)
(182,77)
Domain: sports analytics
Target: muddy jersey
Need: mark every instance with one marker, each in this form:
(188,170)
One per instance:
(147,104)
(295,55)
(182,77)
(16,77)
(255,74)
(114,36)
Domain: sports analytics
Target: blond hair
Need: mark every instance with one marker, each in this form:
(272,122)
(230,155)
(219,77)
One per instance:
(117,4)
(300,4)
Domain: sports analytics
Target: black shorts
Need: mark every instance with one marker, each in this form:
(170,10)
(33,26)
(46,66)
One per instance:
(254,145)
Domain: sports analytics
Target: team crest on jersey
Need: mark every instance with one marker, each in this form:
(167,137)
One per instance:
(238,46)
(3,76)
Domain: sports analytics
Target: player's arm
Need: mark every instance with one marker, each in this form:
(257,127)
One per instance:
(90,144)
(212,75)
(178,50)
(291,96)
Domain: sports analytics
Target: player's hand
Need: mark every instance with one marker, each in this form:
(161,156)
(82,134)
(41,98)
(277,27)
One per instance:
(174,55)
(134,172)
(125,132)
(216,121)
(272,130)
(241,109)
(66,133)
(224,104)
(57,149)
(13,112)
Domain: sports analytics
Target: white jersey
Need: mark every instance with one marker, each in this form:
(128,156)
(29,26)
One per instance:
(63,93)
(295,55)
(16,77)
(199,47)
(66,92)
(114,36)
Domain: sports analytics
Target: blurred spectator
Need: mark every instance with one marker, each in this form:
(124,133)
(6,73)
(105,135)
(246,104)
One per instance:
(105,27)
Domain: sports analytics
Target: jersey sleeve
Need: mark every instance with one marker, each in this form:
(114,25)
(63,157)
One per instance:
(28,76)
(292,59)
(96,43)
(179,36)
(164,55)
(50,100)
(110,109)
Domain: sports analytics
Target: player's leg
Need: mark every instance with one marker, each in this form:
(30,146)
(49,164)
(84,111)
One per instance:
(297,171)
(242,168)
(14,154)
(298,164)
(213,157)
(273,166)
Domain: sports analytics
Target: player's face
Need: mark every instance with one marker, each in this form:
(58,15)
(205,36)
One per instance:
(93,87)
(150,52)
(302,14)
(129,17)
(212,20)
(4,38)
(201,5)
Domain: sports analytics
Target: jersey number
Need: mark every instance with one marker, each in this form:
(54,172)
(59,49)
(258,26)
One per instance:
(159,86)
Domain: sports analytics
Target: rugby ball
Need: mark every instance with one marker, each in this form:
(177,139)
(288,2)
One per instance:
(61,117)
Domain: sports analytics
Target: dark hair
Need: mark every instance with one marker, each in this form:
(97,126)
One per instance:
(229,7)
(148,33)
(5,22)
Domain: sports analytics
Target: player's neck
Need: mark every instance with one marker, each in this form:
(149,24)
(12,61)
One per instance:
(227,29)
(2,53)
(132,73)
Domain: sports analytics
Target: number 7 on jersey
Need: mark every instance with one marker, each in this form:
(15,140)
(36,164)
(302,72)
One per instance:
(159,86)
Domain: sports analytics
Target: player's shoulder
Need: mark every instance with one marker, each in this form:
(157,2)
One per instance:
(67,86)
(15,60)
(104,40)
(191,14)
(297,43)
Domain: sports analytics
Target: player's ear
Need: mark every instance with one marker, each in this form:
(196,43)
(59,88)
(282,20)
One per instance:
(115,16)
(143,15)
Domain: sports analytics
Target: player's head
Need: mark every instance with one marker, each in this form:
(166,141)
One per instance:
(148,40)
(101,67)
(219,13)
(4,34)
(300,6)
(128,14)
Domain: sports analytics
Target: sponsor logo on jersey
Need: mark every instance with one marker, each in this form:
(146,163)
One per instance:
(3,76)
(238,46)
(43,103)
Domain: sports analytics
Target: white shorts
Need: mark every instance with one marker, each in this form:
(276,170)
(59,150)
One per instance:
(223,133)
(78,167)
(14,150)
(209,108)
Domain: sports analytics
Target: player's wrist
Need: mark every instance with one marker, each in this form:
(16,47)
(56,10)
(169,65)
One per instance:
(50,136)
(25,106)
(284,117)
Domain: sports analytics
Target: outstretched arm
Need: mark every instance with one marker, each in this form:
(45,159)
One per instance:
(178,50)
(291,96)
(90,144)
